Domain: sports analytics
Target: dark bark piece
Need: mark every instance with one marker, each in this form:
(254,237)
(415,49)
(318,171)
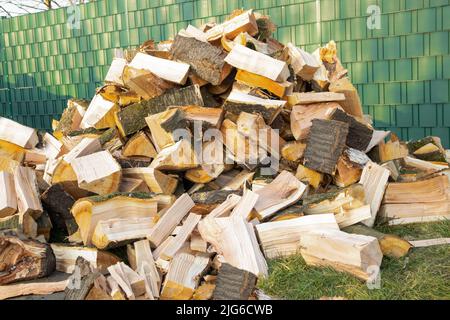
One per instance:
(233,284)
(58,203)
(268,113)
(82,280)
(176,121)
(325,145)
(132,162)
(132,119)
(206,60)
(22,260)
(359,135)
(44,225)
(212,197)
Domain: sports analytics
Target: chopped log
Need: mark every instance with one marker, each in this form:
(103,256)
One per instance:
(348,172)
(35,157)
(145,266)
(225,208)
(374,179)
(415,212)
(18,134)
(11,151)
(235,239)
(171,218)
(430,242)
(256,81)
(234,284)
(182,236)
(98,173)
(165,69)
(304,64)
(53,148)
(282,238)
(428,167)
(139,145)
(89,211)
(71,117)
(156,181)
(100,290)
(37,288)
(377,138)
(239,181)
(27,192)
(238,102)
(133,185)
(58,202)
(179,157)
(115,291)
(350,217)
(428,149)
(197,243)
(206,60)
(136,281)
(204,292)
(303,115)
(391,245)
(325,145)
(252,61)
(117,272)
(359,135)
(98,114)
(66,257)
(133,162)
(132,119)
(305,98)
(311,177)
(22,260)
(115,71)
(293,151)
(144,83)
(212,163)
(44,226)
(354,254)
(244,22)
(391,150)
(352,103)
(8,200)
(183,276)
(8,165)
(211,116)
(282,192)
(245,206)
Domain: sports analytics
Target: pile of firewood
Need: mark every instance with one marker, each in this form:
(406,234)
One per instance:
(202,157)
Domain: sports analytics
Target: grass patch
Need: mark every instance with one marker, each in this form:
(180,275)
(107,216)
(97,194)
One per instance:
(423,274)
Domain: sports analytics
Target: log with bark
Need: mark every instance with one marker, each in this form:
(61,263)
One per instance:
(155,180)
(18,134)
(8,198)
(139,145)
(234,284)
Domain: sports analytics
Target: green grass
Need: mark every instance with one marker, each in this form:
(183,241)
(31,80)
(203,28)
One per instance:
(423,274)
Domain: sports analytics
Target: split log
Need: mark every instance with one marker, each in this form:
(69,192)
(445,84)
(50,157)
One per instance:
(282,238)
(139,145)
(304,64)
(303,115)
(211,116)
(212,197)
(18,134)
(359,135)
(212,163)
(426,166)
(44,226)
(206,60)
(245,206)
(100,114)
(428,149)
(239,181)
(171,218)
(115,291)
(20,224)
(244,22)
(391,245)
(35,157)
(67,255)
(183,276)
(114,233)
(325,145)
(22,260)
(225,208)
(11,151)
(293,151)
(8,200)
(179,157)
(144,83)
(234,284)
(89,211)
(349,170)
(53,148)
(305,98)
(256,81)
(285,190)
(252,61)
(98,173)
(352,103)
(37,288)
(132,162)
(235,239)
(27,192)
(417,212)
(71,117)
(165,69)
(391,150)
(145,266)
(156,181)
(115,71)
(8,165)
(197,243)
(133,185)
(355,254)
(311,177)
(129,281)
(374,179)
(132,119)
(238,102)
(430,242)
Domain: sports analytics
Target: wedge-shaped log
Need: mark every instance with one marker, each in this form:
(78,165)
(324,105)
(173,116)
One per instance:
(256,81)
(22,260)
(245,22)
(179,157)
(303,115)
(247,59)
(27,192)
(352,103)
(211,116)
(235,239)
(212,163)
(171,218)
(304,64)
(145,84)
(129,281)
(132,119)
(234,284)
(349,167)
(98,173)
(115,71)
(304,98)
(18,134)
(285,190)
(145,266)
(89,211)
(238,102)
(139,145)
(98,110)
(66,257)
(71,117)
(11,151)
(282,238)
(8,197)
(156,181)
(325,145)
(311,177)
(183,276)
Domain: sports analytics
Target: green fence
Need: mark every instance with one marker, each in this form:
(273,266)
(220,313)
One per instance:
(401,70)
